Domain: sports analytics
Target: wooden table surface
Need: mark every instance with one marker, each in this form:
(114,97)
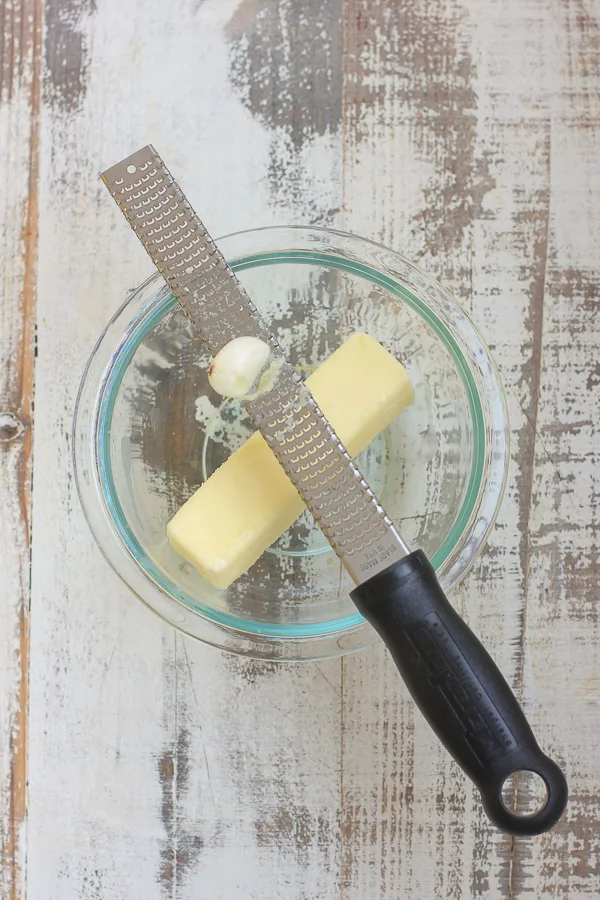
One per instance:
(465,133)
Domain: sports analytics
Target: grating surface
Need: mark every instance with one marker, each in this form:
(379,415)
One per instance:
(314,459)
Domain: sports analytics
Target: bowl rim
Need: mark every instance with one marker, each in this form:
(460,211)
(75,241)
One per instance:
(225,632)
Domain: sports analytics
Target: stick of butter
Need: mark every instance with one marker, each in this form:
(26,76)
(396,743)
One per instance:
(249,501)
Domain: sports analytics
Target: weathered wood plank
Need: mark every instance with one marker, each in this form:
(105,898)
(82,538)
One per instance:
(468,137)
(416,178)
(20,41)
(561,673)
(180,772)
(448,118)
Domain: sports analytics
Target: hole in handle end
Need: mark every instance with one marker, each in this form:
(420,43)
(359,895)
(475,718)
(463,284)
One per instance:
(523,822)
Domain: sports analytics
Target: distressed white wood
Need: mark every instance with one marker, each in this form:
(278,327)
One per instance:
(174,771)
(477,156)
(562,639)
(464,134)
(14,457)
(19,110)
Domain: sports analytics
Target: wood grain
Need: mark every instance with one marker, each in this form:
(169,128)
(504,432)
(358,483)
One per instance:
(561,641)
(464,133)
(450,118)
(20,27)
(181,772)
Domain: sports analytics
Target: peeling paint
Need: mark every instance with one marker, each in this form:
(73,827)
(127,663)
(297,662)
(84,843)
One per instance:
(285,64)
(182,846)
(66,52)
(412,62)
(290,762)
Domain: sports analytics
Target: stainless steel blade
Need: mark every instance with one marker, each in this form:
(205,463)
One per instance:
(312,455)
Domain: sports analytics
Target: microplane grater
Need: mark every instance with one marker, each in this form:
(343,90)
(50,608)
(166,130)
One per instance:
(330,483)
(452,678)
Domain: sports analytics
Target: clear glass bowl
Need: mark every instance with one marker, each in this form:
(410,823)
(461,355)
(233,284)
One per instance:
(148,430)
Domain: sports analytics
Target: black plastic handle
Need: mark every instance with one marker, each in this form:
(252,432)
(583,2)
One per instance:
(459,689)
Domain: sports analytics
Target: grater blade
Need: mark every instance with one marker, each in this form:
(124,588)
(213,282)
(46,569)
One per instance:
(315,460)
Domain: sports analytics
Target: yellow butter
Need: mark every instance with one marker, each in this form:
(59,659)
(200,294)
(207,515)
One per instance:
(249,501)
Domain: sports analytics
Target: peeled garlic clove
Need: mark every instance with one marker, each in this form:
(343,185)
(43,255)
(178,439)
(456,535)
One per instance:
(237,365)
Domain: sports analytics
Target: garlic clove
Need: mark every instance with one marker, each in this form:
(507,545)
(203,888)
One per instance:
(238,365)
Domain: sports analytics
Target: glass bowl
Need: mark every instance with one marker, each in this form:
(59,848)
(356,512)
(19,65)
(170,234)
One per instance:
(149,430)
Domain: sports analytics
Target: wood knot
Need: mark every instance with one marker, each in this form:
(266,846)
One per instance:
(10,427)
